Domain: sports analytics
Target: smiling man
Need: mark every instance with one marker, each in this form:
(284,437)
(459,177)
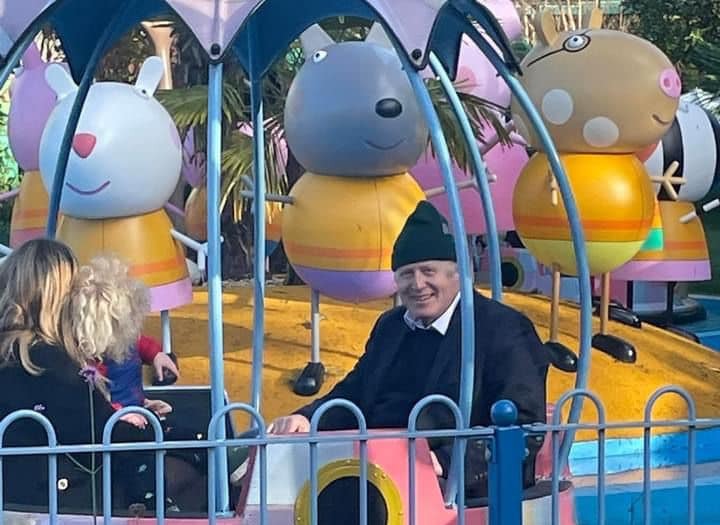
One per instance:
(414,351)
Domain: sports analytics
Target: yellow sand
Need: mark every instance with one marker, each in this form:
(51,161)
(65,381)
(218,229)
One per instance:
(663,358)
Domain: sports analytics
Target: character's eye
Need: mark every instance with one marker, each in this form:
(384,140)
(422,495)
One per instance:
(576,43)
(319,56)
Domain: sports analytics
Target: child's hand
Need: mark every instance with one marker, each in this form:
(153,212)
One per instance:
(137,420)
(162,360)
(160,407)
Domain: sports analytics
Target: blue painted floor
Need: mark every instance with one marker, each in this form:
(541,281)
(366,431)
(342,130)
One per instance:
(624,501)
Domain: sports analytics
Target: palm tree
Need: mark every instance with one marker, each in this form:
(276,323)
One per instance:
(707,56)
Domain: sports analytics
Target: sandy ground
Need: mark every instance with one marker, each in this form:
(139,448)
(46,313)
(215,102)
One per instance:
(663,358)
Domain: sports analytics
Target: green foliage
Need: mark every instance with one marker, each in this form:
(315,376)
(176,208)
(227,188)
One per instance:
(707,56)
(683,29)
(9,171)
(122,62)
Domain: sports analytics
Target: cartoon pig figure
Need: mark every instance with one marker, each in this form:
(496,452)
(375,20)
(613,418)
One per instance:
(124,164)
(604,95)
(31,102)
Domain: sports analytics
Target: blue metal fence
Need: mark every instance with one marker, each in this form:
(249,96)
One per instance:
(505,453)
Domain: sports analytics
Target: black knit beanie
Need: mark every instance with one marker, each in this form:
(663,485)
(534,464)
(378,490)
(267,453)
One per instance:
(425,237)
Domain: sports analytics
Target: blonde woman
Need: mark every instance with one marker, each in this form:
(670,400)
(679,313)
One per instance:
(39,372)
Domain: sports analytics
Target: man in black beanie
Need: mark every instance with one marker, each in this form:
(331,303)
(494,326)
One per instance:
(414,351)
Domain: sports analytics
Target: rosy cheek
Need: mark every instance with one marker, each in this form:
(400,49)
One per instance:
(670,83)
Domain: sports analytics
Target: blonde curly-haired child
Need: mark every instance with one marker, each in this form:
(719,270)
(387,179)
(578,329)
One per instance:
(104,317)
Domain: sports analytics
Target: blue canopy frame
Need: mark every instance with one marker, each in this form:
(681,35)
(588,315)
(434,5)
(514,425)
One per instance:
(266,32)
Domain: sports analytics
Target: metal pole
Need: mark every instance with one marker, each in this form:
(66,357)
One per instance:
(467,317)
(480,172)
(166,332)
(217,377)
(505,485)
(315,326)
(74,118)
(256,102)
(576,230)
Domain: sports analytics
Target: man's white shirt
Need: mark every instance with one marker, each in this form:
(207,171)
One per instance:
(440,324)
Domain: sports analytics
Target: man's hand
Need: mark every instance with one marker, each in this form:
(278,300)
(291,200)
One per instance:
(436,464)
(289,425)
(162,360)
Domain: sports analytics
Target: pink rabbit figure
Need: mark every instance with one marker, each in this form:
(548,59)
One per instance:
(477,76)
(31,102)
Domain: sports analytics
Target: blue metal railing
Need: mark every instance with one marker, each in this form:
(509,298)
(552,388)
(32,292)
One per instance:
(505,443)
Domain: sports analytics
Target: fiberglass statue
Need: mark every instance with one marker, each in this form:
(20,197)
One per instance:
(352,121)
(31,102)
(603,95)
(124,164)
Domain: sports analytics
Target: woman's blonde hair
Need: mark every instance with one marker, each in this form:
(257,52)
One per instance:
(106,310)
(34,283)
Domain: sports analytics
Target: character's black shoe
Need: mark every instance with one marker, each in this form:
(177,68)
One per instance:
(615,347)
(561,357)
(310,380)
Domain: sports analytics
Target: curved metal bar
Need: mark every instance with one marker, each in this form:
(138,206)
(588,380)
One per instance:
(22,43)
(481,176)
(467,312)
(362,431)
(216,429)
(558,465)
(52,458)
(461,249)
(412,427)
(428,400)
(159,463)
(671,389)
(256,102)
(74,118)
(576,230)
(215,306)
(485,18)
(578,392)
(647,466)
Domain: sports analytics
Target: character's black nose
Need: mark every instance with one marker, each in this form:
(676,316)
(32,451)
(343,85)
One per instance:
(388,108)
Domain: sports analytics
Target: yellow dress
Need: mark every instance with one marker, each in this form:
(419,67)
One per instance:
(30,209)
(144,243)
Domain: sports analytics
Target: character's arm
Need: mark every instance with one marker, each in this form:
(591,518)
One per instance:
(270,197)
(200,248)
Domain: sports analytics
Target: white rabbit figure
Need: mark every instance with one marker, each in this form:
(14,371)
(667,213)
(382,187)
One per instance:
(124,164)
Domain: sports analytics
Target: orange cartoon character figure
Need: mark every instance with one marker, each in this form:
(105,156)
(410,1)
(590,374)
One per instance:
(603,95)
